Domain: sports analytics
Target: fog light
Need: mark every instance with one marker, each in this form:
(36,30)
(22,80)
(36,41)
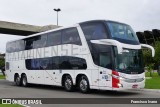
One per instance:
(120,85)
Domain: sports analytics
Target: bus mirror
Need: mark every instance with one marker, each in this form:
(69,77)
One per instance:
(150,47)
(109,42)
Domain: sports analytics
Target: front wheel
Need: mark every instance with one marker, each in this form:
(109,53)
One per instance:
(84,84)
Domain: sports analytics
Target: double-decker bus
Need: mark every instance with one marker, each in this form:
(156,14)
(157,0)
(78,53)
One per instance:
(98,54)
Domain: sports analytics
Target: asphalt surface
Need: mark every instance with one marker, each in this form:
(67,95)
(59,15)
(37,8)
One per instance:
(9,90)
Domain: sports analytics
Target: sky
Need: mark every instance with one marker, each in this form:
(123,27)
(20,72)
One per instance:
(140,14)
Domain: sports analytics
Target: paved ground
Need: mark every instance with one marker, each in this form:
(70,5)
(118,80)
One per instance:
(9,90)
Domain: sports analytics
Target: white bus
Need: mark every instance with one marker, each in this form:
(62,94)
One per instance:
(96,54)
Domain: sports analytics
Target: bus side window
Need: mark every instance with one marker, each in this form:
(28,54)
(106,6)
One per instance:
(20,46)
(28,64)
(8,47)
(12,46)
(71,36)
(29,43)
(105,60)
(64,62)
(56,62)
(40,41)
(7,65)
(54,38)
(77,63)
(94,31)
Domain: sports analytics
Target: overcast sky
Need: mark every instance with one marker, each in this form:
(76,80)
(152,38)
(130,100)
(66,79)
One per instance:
(140,14)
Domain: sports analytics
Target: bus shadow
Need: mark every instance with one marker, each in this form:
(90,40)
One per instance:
(93,92)
(114,93)
(46,87)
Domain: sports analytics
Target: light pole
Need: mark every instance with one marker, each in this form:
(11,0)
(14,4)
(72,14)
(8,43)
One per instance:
(57,10)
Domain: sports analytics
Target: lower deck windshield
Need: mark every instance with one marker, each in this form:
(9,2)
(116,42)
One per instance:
(129,62)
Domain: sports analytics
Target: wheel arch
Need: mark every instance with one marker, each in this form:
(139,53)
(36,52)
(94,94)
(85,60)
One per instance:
(63,78)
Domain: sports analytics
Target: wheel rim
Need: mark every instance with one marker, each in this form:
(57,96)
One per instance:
(83,85)
(68,83)
(17,80)
(24,81)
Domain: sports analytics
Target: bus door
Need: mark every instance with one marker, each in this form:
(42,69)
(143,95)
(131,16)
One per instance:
(105,80)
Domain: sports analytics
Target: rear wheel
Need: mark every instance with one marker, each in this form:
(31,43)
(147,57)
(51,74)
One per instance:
(84,84)
(68,83)
(17,80)
(24,81)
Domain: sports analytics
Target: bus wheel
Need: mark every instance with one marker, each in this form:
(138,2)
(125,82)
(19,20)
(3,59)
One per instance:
(17,80)
(84,84)
(24,81)
(68,83)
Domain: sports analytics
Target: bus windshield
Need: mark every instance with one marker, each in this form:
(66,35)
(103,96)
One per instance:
(130,61)
(122,33)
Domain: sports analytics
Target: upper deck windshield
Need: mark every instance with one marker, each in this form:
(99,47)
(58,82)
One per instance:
(130,61)
(122,33)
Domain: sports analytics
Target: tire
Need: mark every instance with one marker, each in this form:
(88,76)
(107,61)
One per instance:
(24,81)
(18,81)
(84,84)
(68,83)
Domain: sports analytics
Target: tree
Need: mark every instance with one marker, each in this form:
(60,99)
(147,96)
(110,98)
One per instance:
(2,65)
(148,60)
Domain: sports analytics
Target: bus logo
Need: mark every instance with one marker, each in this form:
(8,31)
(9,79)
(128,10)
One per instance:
(6,101)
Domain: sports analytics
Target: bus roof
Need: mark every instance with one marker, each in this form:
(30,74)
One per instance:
(61,28)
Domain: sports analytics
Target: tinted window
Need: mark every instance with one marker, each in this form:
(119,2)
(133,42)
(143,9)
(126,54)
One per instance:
(94,31)
(35,64)
(77,63)
(11,47)
(122,33)
(29,43)
(52,63)
(40,41)
(43,63)
(71,36)
(8,47)
(101,55)
(56,63)
(28,64)
(72,63)
(54,38)
(20,45)
(7,65)
(64,63)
